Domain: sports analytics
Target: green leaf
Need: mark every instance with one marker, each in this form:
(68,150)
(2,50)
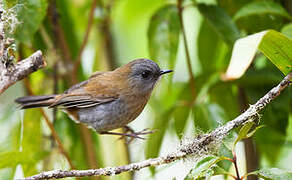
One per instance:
(231,7)
(30,13)
(261,7)
(274,45)
(13,158)
(207,116)
(203,166)
(261,15)
(163,34)
(221,22)
(181,112)
(245,132)
(67,10)
(207,42)
(287,30)
(228,102)
(32,141)
(273,174)
(155,139)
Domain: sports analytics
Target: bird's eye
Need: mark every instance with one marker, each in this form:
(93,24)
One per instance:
(145,74)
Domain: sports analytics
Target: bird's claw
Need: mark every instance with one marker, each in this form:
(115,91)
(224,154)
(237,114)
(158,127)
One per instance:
(132,134)
(129,132)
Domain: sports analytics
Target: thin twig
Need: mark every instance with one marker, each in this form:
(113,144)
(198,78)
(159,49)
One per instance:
(234,161)
(189,64)
(85,39)
(198,145)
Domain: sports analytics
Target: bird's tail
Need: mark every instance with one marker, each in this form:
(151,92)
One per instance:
(35,101)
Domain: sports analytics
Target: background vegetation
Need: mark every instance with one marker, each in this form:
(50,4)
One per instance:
(82,36)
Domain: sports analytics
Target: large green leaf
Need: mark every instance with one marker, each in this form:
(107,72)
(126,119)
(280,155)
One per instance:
(163,34)
(261,7)
(69,25)
(261,15)
(181,112)
(30,14)
(228,102)
(208,116)
(274,45)
(32,141)
(273,174)
(221,22)
(13,158)
(287,30)
(231,7)
(207,42)
(155,140)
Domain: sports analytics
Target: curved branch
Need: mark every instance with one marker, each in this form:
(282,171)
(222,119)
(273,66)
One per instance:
(198,145)
(14,73)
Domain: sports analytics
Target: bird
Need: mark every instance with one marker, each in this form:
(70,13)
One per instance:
(107,100)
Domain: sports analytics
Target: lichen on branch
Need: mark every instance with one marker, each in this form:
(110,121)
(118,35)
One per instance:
(10,72)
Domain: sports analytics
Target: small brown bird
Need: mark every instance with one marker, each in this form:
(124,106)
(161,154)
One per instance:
(107,100)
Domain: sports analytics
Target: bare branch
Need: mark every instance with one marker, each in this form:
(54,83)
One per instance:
(13,73)
(198,145)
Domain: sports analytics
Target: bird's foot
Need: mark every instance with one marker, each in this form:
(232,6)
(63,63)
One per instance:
(133,134)
(129,132)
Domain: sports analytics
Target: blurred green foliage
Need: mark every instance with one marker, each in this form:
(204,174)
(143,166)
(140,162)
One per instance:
(126,29)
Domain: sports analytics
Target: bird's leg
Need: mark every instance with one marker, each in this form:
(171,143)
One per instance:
(129,130)
(132,134)
(120,134)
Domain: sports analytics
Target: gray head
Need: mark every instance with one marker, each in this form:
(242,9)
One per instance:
(144,74)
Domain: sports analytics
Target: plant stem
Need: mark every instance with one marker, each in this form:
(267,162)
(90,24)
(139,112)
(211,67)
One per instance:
(189,64)
(235,165)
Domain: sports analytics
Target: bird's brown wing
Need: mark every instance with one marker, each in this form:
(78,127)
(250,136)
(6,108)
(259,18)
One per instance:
(86,94)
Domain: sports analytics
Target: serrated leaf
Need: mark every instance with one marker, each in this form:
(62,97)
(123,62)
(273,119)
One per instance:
(273,174)
(221,22)
(202,167)
(163,34)
(30,13)
(274,45)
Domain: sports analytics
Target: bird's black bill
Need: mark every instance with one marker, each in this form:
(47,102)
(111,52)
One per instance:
(165,71)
